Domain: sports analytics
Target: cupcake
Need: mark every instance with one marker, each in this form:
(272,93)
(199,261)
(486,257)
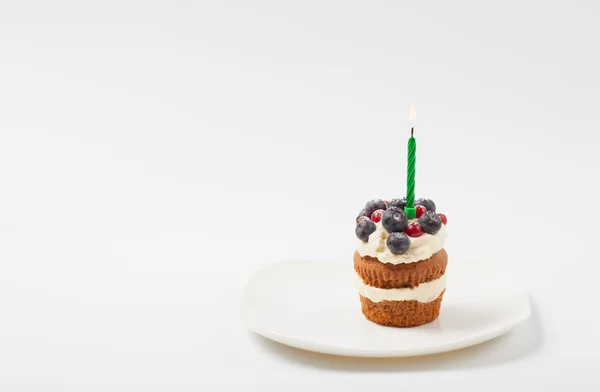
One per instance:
(400,263)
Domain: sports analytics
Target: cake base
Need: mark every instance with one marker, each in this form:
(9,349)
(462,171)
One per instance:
(401,314)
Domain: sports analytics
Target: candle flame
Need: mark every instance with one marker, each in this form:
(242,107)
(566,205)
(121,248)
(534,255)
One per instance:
(413,113)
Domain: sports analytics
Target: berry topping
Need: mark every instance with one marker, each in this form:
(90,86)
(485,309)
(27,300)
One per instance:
(376,215)
(361,218)
(443,218)
(430,222)
(400,203)
(360,214)
(427,203)
(420,210)
(364,228)
(373,205)
(398,243)
(394,219)
(413,230)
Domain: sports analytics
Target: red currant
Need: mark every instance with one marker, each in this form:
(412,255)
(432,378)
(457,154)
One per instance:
(420,210)
(444,219)
(413,230)
(376,215)
(387,203)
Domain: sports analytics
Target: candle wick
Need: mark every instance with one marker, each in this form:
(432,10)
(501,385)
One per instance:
(412,131)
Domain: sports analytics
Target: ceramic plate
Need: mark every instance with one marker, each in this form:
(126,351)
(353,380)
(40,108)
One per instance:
(314,306)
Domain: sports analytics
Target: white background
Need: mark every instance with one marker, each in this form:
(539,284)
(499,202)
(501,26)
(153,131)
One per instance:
(153,155)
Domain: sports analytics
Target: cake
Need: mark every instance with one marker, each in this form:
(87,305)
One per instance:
(400,263)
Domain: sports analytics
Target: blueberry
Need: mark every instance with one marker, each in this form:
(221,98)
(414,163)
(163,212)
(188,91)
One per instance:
(374,205)
(394,219)
(427,203)
(430,222)
(361,213)
(400,203)
(398,243)
(364,228)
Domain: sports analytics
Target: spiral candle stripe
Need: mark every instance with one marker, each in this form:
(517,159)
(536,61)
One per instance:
(410,177)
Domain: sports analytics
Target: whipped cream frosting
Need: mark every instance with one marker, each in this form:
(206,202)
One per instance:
(421,248)
(424,292)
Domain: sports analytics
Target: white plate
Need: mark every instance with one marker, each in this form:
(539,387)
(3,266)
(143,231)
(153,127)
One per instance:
(314,306)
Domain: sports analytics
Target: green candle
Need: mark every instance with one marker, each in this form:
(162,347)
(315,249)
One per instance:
(409,209)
